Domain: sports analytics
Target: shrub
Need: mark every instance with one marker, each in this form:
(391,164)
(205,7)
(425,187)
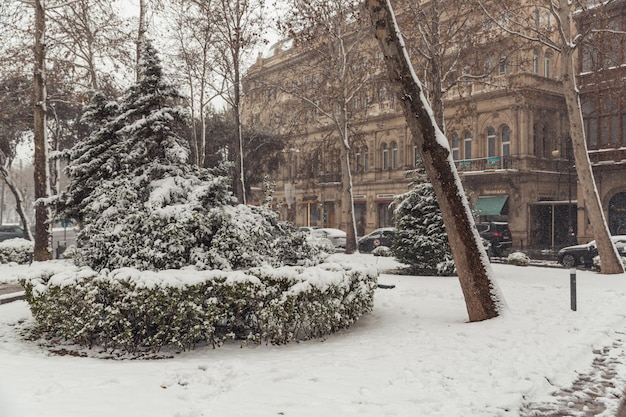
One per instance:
(16,250)
(135,311)
(518,258)
(382,251)
(420,240)
(596,263)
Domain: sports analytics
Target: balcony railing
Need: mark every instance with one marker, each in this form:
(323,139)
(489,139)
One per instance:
(608,155)
(328,178)
(484,164)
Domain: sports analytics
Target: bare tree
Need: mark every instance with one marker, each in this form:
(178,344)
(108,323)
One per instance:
(482,297)
(442,38)
(42,250)
(15,103)
(332,39)
(193,28)
(551,24)
(238,32)
(90,37)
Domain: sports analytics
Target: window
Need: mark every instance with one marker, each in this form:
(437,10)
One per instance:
(385,162)
(546,64)
(489,64)
(590,117)
(357,160)
(505,132)
(366,159)
(536,61)
(394,155)
(454,145)
(537,17)
(416,156)
(503,64)
(467,145)
(491,142)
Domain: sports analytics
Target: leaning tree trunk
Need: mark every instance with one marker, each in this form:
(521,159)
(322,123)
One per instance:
(609,257)
(482,296)
(19,201)
(42,235)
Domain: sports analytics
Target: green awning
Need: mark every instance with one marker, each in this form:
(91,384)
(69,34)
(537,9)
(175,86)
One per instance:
(489,205)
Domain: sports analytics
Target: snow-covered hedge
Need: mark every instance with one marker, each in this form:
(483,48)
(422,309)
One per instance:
(518,258)
(16,250)
(132,310)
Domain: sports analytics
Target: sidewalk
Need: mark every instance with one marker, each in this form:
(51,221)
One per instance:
(10,292)
(592,394)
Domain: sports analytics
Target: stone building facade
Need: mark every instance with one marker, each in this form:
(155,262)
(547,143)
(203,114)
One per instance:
(508,136)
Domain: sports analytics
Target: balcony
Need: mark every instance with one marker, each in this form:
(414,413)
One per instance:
(607,156)
(330,178)
(486,164)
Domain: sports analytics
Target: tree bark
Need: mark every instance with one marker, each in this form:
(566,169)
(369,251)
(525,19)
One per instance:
(482,296)
(42,236)
(347,195)
(609,257)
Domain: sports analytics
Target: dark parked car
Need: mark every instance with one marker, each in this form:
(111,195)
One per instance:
(498,235)
(571,256)
(379,237)
(10,232)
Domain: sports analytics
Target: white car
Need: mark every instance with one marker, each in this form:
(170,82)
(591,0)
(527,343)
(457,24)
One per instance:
(336,236)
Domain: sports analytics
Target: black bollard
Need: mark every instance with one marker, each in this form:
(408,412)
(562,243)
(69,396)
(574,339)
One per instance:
(572,287)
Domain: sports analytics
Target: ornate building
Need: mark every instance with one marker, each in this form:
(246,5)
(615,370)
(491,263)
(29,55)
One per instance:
(508,133)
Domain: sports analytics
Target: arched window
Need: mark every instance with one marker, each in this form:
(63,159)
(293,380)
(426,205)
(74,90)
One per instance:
(394,155)
(536,61)
(358,166)
(547,63)
(467,145)
(491,142)
(454,145)
(385,162)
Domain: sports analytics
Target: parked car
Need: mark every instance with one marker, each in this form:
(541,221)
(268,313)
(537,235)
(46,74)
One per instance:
(498,235)
(575,255)
(336,236)
(379,237)
(11,232)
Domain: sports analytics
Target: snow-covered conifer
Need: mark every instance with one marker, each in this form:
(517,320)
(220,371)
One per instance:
(93,159)
(158,211)
(150,121)
(421,240)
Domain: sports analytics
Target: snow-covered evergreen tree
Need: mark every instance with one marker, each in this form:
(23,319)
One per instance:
(156,210)
(150,120)
(93,159)
(421,240)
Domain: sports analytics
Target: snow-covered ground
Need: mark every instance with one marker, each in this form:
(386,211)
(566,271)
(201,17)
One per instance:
(415,355)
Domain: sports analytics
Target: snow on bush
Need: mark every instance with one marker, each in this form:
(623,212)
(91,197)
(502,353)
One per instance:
(382,251)
(16,250)
(596,266)
(148,214)
(131,310)
(518,258)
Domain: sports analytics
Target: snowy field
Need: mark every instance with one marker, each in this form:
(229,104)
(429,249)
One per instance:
(415,355)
